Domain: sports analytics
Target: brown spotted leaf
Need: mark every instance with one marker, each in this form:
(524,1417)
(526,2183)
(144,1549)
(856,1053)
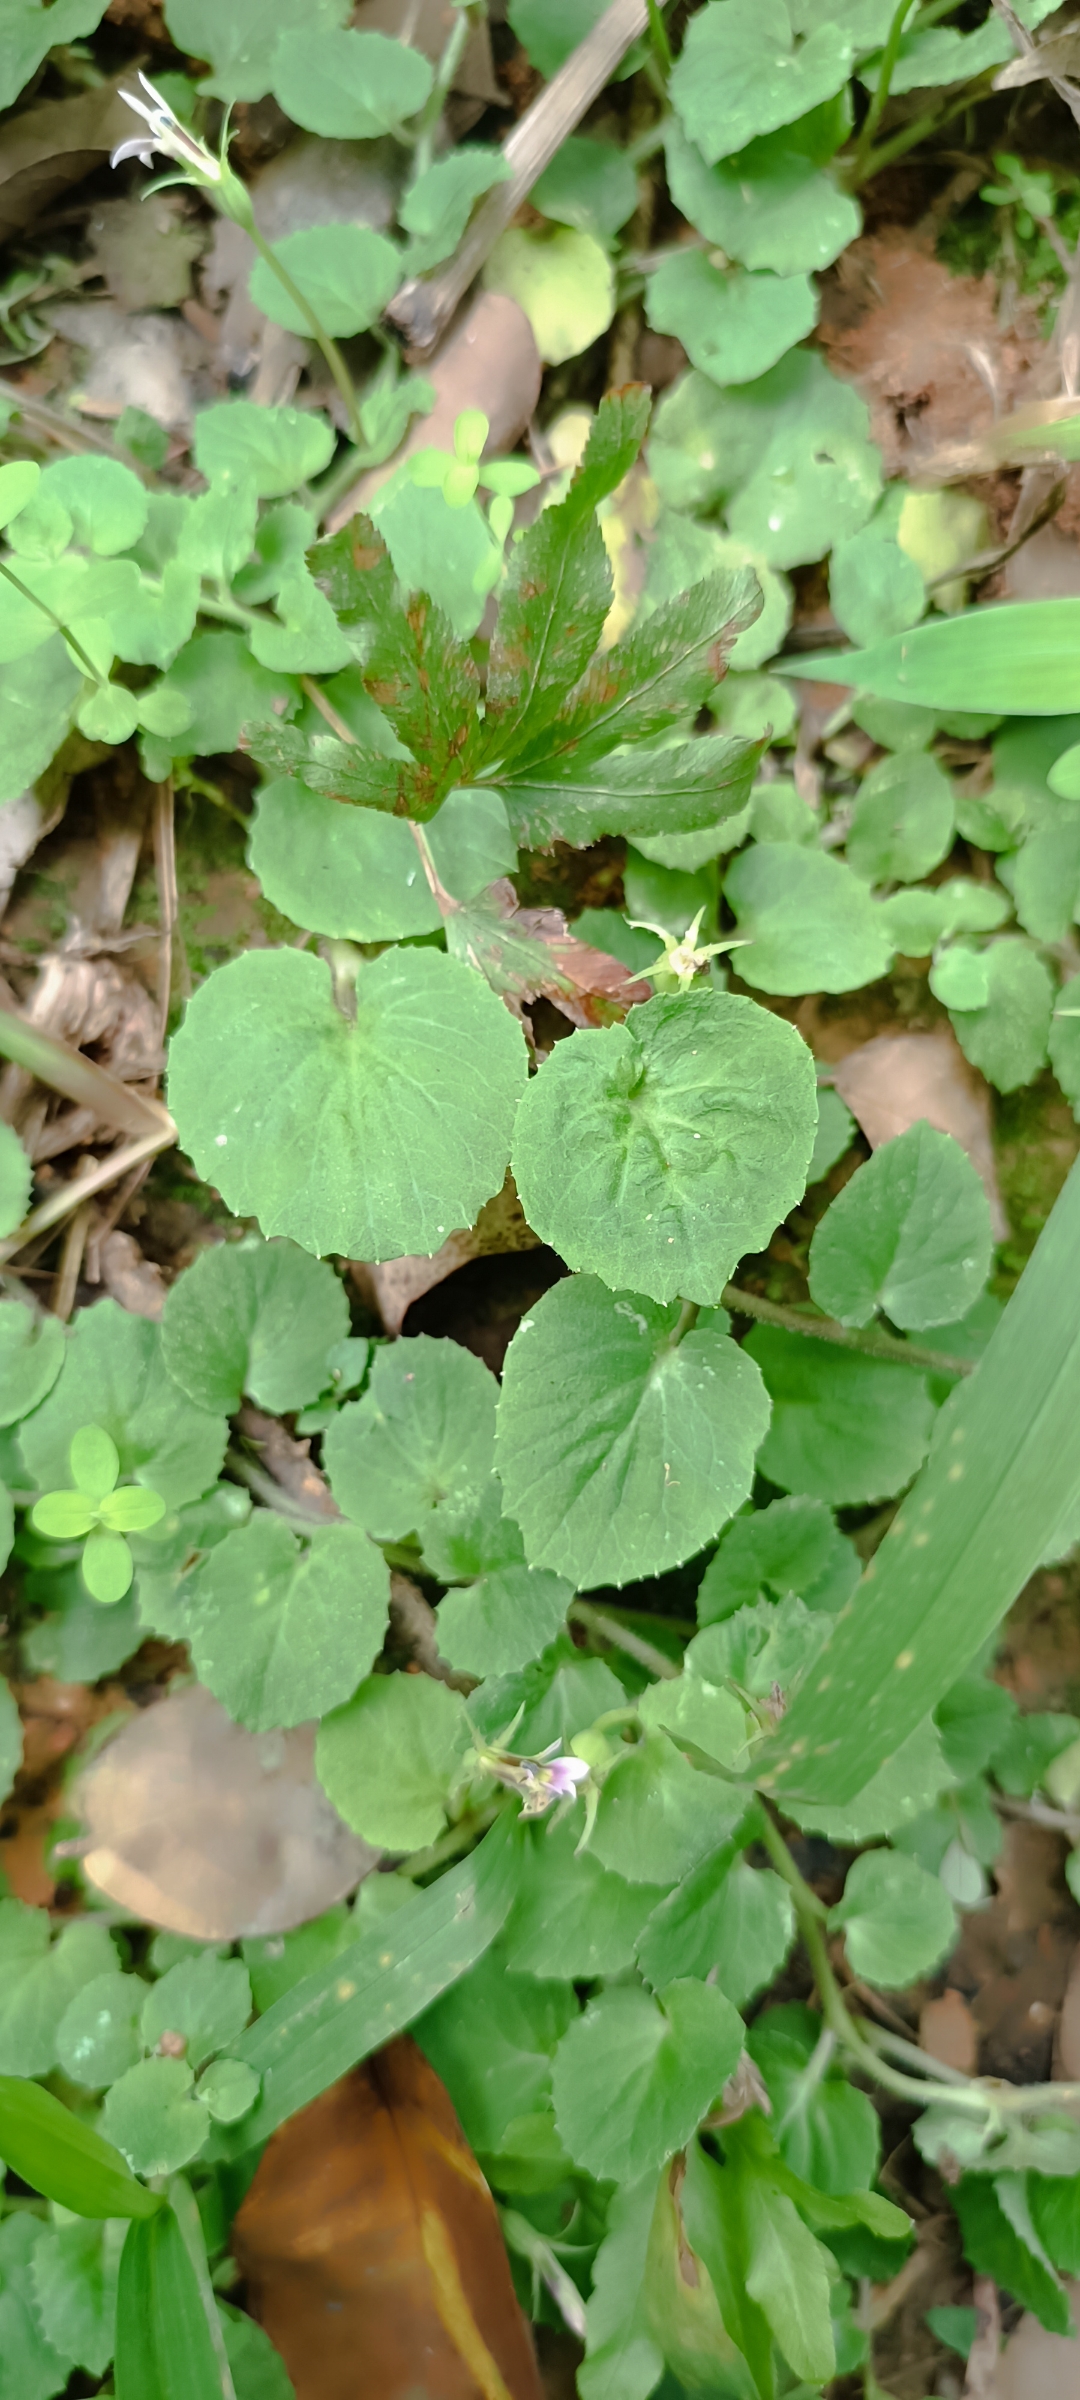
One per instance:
(372,2250)
(658,676)
(415,669)
(558,586)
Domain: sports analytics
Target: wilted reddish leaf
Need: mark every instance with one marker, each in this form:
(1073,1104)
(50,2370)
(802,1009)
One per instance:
(372,2250)
(530,953)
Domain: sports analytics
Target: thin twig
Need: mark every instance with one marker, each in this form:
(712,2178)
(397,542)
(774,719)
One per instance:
(65,1070)
(619,1637)
(424,306)
(82,1187)
(1022,41)
(881,1346)
(71,1259)
(168,895)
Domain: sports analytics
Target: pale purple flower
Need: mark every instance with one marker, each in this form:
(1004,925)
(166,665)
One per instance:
(539,1780)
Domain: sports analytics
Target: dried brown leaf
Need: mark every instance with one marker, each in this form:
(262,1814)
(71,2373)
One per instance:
(206,1829)
(1037,2365)
(45,150)
(372,2250)
(530,953)
(902,1079)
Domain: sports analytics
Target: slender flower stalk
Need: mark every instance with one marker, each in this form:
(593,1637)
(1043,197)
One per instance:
(165,136)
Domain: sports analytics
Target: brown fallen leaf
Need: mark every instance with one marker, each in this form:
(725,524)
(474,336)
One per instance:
(1037,2365)
(948,2033)
(979,2382)
(489,360)
(899,1079)
(45,150)
(203,1828)
(372,2251)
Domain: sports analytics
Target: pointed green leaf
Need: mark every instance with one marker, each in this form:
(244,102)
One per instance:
(650,788)
(1019,660)
(1002,1469)
(59,2154)
(73,2272)
(165,2349)
(690,1131)
(380,1984)
(790,1547)
(659,674)
(788,2279)
(277,1094)
(424,680)
(727,1921)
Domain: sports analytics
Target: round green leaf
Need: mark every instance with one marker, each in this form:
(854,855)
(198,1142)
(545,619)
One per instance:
(732,324)
(727,1920)
(132,1510)
(902,823)
(283,1629)
(897,1921)
(803,469)
(436,208)
(31,1356)
(95,1461)
(349,86)
(346,273)
(16,1178)
(809,924)
(256,1317)
(278,448)
(107,504)
(73,2277)
(909,1234)
(229,2089)
(375,1136)
(108,714)
(206,2000)
(98,2039)
(19,480)
(63,1516)
(564,281)
(740,73)
(108,1567)
(113,1376)
(633,2077)
(791,1547)
(1007,1037)
(656,1153)
(570,1916)
(351,872)
(590,184)
(36,699)
(153,2117)
(419,1443)
(828,2132)
(960,977)
(874,587)
(388,1760)
(770,206)
(619,1454)
(58,2154)
(1065,1039)
(503,1621)
(844,1429)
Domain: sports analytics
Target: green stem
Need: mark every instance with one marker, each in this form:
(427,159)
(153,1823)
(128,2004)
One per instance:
(327,345)
(889,56)
(453,52)
(911,135)
(59,624)
(826,1329)
(619,1637)
(968,2093)
(463,1836)
(648,143)
(659,38)
(684,1324)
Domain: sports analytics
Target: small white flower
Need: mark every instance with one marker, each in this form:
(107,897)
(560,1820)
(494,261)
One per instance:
(165,134)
